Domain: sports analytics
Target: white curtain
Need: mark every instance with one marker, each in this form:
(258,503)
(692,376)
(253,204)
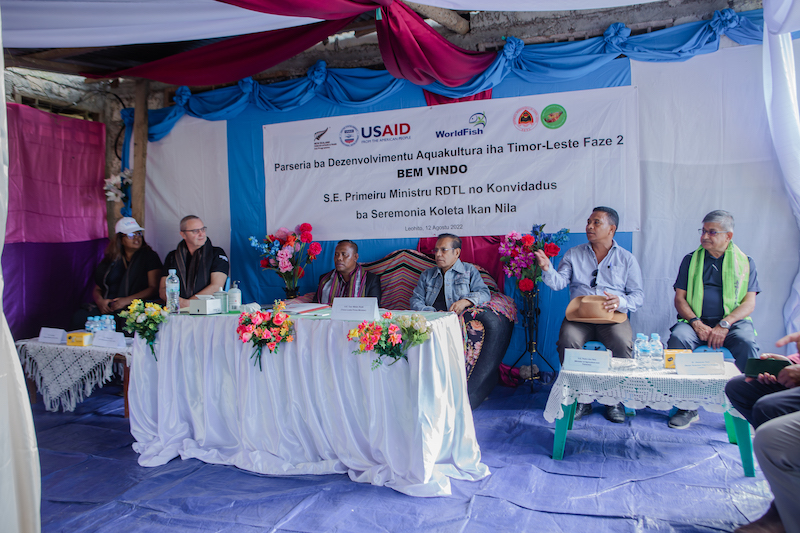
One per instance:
(20,477)
(780,95)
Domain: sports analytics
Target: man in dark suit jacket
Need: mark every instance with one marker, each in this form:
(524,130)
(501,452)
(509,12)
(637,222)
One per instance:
(348,279)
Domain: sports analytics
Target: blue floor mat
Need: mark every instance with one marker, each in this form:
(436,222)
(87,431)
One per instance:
(637,476)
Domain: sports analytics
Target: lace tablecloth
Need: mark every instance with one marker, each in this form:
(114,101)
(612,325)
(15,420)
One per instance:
(66,375)
(657,389)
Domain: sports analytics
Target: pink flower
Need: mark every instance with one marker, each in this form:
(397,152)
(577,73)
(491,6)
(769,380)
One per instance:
(305,226)
(395,339)
(265,334)
(284,266)
(245,336)
(388,316)
(257,318)
(315,248)
(282,233)
(285,253)
(272,346)
(279,318)
(513,236)
(306,236)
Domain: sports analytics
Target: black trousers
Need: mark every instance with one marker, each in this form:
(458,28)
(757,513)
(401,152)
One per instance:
(616,337)
(759,403)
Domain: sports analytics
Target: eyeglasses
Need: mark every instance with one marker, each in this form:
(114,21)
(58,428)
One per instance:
(710,233)
(443,250)
(593,284)
(196,231)
(134,234)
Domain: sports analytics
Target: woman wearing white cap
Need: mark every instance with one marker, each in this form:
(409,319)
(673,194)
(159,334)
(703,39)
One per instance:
(130,270)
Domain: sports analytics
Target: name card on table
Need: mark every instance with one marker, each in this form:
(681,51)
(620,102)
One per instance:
(357,309)
(702,363)
(109,339)
(53,336)
(586,360)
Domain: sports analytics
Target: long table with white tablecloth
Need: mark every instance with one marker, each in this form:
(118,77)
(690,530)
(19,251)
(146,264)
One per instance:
(315,408)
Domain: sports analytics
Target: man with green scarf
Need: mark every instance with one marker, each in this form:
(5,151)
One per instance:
(714,294)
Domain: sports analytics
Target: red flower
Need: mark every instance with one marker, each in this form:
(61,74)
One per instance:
(525,285)
(300,272)
(551,249)
(527,240)
(305,226)
(315,248)
(264,263)
(306,236)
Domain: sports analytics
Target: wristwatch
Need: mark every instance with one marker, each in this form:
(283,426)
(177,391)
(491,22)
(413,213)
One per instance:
(692,320)
(724,324)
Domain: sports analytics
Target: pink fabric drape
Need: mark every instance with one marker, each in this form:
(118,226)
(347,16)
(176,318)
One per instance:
(414,51)
(55,178)
(233,59)
(437,99)
(410,48)
(480,251)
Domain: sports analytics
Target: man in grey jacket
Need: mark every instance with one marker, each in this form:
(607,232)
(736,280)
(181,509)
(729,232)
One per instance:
(451,285)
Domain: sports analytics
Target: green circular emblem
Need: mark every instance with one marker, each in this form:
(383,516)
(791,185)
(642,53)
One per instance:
(553,116)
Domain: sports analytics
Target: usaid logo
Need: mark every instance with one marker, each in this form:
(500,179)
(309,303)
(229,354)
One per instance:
(349,135)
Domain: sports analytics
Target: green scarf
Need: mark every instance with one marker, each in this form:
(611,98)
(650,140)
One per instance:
(735,279)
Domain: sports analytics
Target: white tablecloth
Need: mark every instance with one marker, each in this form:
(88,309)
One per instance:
(66,375)
(658,389)
(316,408)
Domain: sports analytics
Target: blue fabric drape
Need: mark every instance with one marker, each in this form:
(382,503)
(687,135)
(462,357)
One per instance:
(542,63)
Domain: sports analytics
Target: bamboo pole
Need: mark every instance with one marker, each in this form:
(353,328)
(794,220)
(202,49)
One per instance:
(139,150)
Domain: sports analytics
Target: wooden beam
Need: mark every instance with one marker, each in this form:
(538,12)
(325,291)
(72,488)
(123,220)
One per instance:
(139,150)
(59,53)
(446,17)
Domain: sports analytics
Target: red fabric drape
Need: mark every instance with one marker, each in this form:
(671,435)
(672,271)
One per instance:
(318,9)
(437,99)
(231,60)
(480,251)
(414,51)
(410,48)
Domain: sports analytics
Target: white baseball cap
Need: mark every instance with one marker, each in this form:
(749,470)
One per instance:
(127,225)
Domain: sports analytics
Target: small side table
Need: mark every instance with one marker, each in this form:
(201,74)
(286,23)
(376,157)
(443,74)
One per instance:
(660,390)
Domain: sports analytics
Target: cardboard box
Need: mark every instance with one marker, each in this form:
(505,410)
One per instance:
(79,338)
(669,357)
(205,307)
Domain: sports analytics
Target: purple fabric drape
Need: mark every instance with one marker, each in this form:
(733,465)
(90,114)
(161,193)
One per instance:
(233,59)
(437,99)
(481,251)
(414,51)
(45,283)
(410,48)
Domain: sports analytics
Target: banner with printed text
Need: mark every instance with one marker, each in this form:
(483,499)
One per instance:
(474,168)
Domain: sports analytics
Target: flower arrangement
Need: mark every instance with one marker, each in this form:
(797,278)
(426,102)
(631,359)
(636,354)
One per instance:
(113,186)
(285,253)
(144,318)
(270,329)
(390,337)
(517,254)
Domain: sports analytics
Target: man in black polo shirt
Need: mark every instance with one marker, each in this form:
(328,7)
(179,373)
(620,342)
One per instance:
(201,267)
(714,294)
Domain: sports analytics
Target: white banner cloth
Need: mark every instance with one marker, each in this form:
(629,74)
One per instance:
(470,168)
(657,389)
(316,408)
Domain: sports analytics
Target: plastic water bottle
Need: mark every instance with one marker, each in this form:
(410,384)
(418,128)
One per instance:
(108,323)
(657,351)
(234,297)
(88,325)
(642,347)
(173,292)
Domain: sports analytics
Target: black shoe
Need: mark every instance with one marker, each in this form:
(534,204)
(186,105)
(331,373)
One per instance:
(582,409)
(683,419)
(615,413)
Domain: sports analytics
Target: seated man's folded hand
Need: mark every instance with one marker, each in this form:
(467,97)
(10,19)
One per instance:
(460,305)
